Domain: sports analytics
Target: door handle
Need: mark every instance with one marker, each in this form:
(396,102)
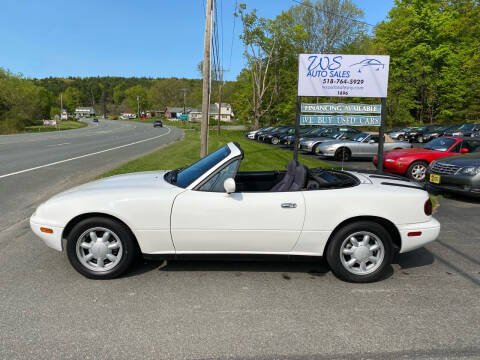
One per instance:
(289,205)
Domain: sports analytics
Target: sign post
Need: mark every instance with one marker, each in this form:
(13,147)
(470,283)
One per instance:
(336,75)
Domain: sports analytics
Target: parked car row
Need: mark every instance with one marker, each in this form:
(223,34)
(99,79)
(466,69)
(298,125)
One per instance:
(449,163)
(337,142)
(426,133)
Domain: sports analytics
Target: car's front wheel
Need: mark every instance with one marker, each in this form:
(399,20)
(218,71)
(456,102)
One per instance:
(417,171)
(100,248)
(360,252)
(343,154)
(275,140)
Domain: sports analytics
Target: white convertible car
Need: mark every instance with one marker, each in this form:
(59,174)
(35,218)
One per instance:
(356,221)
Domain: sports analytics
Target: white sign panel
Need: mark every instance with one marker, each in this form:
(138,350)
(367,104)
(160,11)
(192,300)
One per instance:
(343,75)
(49,122)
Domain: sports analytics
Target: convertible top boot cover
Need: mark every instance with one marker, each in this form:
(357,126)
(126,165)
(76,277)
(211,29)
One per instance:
(287,180)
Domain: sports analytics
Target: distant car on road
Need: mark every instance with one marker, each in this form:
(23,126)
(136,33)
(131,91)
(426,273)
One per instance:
(363,145)
(95,120)
(414,162)
(157,123)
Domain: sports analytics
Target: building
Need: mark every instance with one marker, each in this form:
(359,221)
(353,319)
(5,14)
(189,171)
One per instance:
(226,113)
(81,112)
(172,112)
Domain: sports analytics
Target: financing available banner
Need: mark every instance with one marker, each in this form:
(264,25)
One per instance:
(343,75)
(350,120)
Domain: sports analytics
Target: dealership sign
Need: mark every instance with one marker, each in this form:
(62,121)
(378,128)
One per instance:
(352,120)
(343,75)
(327,108)
(49,122)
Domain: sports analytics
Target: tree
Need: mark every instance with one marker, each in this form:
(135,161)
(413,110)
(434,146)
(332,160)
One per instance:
(72,98)
(137,96)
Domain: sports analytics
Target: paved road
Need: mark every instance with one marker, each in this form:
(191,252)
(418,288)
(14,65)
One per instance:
(35,166)
(427,308)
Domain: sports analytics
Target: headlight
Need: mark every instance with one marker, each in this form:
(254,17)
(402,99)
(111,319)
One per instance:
(469,171)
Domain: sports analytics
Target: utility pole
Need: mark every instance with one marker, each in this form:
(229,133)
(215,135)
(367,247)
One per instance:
(206,79)
(138,106)
(221,71)
(184,99)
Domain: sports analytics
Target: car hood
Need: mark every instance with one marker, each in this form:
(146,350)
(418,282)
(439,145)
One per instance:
(127,182)
(405,152)
(464,160)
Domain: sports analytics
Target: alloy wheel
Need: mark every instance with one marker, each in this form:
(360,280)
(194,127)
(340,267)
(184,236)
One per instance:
(362,253)
(99,249)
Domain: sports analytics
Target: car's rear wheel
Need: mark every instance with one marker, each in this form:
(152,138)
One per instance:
(400,137)
(343,154)
(417,171)
(100,248)
(360,252)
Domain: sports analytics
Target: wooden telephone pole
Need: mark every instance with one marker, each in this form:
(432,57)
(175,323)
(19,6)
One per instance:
(206,79)
(221,71)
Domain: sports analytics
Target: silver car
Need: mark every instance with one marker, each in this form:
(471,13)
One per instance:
(311,144)
(364,145)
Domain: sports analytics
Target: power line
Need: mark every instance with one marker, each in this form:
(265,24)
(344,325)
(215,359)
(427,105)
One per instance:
(233,37)
(332,13)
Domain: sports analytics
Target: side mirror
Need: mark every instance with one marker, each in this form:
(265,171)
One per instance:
(229,185)
(464,151)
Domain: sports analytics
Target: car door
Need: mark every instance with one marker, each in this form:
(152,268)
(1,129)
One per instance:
(208,221)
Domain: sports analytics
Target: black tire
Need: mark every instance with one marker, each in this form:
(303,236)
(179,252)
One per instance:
(343,153)
(333,253)
(128,245)
(400,137)
(413,169)
(315,149)
(275,140)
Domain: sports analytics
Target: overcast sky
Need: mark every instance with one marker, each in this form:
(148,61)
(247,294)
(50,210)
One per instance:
(153,38)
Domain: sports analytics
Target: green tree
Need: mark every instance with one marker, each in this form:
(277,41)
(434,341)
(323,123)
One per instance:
(72,98)
(137,95)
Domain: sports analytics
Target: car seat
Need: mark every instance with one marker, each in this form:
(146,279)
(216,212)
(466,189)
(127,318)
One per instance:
(286,182)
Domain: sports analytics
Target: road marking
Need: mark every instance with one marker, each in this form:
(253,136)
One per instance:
(59,144)
(83,156)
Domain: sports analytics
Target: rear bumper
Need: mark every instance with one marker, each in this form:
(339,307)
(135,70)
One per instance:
(429,232)
(53,240)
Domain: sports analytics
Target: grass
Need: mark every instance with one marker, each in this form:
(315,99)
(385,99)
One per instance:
(62,125)
(258,156)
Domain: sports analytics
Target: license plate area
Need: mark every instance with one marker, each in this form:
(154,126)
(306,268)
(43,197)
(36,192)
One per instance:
(434,178)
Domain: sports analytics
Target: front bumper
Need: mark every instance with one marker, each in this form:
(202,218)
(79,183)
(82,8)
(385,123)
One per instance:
(53,240)
(429,232)
(464,185)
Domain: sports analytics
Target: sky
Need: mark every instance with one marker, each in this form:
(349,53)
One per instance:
(152,38)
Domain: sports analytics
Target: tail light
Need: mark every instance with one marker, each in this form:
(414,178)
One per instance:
(428,207)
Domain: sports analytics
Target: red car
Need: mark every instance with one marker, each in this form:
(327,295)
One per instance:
(414,162)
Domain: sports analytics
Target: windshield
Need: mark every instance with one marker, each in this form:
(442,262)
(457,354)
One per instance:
(360,137)
(190,174)
(466,127)
(284,130)
(440,144)
(337,135)
(317,131)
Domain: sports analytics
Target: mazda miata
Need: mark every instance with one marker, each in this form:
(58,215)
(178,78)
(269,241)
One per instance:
(356,221)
